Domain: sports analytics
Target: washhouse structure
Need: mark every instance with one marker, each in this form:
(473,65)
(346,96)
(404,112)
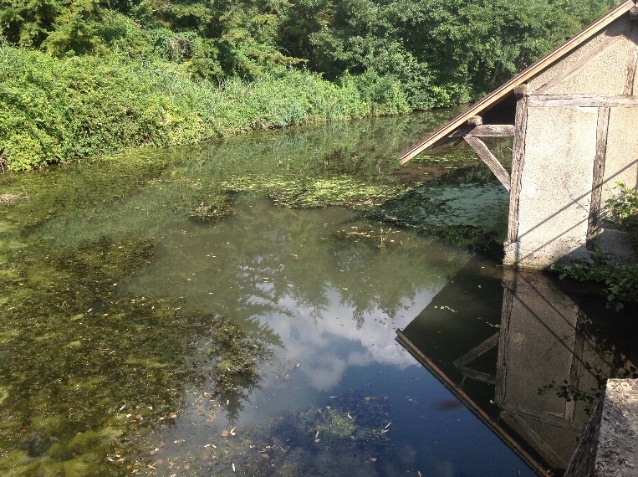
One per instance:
(571,115)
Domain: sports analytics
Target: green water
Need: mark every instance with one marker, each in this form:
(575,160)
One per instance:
(232,308)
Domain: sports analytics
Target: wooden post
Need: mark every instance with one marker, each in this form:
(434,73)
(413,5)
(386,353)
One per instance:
(518,162)
(475,121)
(633,61)
(602,128)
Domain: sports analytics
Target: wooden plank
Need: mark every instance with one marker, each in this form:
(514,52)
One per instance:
(488,158)
(602,130)
(583,100)
(509,291)
(518,163)
(477,375)
(576,367)
(506,88)
(538,443)
(492,130)
(475,121)
(543,417)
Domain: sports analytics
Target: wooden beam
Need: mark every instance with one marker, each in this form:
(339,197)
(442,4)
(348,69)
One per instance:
(477,375)
(518,162)
(488,158)
(583,100)
(537,443)
(602,130)
(521,91)
(492,130)
(543,417)
(475,121)
(477,351)
(576,366)
(509,292)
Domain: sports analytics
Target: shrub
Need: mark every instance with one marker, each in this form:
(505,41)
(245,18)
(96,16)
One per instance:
(57,109)
(623,209)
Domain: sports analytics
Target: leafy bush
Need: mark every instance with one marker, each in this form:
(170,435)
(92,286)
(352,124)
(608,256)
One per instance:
(150,72)
(59,109)
(620,280)
(623,210)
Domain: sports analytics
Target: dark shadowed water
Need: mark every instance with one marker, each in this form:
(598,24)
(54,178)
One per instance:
(287,304)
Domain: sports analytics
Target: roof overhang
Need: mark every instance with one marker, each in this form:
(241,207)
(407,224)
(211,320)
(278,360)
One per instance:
(447,132)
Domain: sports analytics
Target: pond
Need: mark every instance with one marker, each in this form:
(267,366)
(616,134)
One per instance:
(284,303)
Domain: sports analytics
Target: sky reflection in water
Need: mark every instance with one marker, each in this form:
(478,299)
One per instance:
(322,290)
(335,304)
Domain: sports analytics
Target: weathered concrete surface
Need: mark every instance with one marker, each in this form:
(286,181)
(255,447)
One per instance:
(617,452)
(540,324)
(616,244)
(555,195)
(621,159)
(563,67)
(588,78)
(575,153)
(609,444)
(582,462)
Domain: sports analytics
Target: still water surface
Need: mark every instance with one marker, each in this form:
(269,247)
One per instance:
(203,312)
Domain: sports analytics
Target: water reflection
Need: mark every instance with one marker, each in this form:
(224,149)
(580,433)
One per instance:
(147,329)
(317,280)
(534,375)
(321,281)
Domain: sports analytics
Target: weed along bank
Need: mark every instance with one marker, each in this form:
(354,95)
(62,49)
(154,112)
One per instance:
(571,115)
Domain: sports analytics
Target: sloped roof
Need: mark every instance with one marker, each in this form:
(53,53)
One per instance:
(440,136)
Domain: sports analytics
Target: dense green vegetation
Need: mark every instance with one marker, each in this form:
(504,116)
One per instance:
(87,77)
(619,280)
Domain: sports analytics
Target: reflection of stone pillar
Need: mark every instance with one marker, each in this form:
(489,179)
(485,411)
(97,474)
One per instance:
(542,378)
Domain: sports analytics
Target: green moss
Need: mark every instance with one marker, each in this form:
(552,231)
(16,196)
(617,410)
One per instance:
(16,463)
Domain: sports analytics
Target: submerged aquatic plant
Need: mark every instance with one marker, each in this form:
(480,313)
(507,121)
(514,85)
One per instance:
(89,366)
(122,364)
(347,435)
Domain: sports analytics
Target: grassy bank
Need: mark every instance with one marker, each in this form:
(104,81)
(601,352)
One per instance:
(60,109)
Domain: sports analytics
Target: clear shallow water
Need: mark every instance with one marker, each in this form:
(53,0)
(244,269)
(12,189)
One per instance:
(178,314)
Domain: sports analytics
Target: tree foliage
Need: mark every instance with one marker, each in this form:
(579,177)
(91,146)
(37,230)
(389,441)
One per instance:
(386,56)
(437,51)
(442,51)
